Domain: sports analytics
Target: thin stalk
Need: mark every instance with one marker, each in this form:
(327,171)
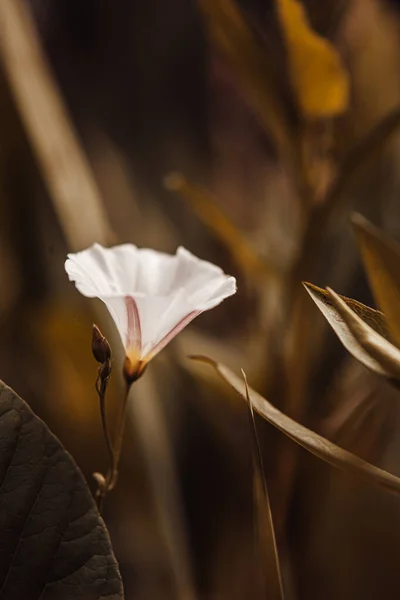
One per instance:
(101,387)
(106,484)
(112,476)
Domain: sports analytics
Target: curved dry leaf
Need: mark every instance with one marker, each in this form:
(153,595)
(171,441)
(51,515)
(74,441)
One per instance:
(362,330)
(386,354)
(311,441)
(318,76)
(266,533)
(381,257)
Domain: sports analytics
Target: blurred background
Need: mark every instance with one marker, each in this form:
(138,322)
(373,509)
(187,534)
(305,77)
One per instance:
(283,118)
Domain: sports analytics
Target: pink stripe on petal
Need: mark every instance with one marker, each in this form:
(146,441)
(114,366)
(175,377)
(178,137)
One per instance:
(171,334)
(134,333)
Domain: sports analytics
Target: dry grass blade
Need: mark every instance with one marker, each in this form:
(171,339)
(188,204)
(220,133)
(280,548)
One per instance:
(311,441)
(232,35)
(362,330)
(381,258)
(207,209)
(272,579)
(65,168)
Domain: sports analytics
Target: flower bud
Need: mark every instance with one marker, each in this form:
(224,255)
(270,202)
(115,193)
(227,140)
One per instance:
(105,369)
(100,346)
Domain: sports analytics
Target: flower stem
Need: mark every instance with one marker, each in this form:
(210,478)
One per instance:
(107,483)
(112,477)
(101,387)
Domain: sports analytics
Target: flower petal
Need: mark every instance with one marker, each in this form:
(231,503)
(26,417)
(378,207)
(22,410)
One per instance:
(99,270)
(163,317)
(134,330)
(172,333)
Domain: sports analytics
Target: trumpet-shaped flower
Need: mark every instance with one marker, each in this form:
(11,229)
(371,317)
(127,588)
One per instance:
(151,295)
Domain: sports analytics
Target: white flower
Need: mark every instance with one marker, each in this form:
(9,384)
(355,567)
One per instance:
(151,296)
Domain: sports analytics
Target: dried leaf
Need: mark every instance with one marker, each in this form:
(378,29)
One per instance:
(373,318)
(377,346)
(266,534)
(318,76)
(311,441)
(53,543)
(362,330)
(381,257)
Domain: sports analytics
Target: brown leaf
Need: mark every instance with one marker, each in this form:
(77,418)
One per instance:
(266,534)
(311,441)
(362,330)
(378,347)
(381,257)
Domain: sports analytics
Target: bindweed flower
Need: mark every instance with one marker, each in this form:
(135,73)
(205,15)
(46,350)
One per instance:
(151,295)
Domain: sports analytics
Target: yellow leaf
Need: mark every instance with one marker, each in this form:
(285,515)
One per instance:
(318,76)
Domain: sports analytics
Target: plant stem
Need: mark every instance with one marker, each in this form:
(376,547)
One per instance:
(106,484)
(101,387)
(112,476)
